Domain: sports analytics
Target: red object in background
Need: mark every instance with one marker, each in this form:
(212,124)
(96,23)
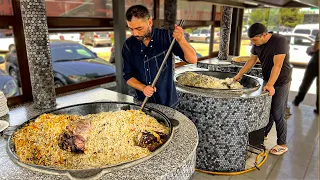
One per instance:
(112,49)
(96,35)
(61,37)
(6,8)
(217,16)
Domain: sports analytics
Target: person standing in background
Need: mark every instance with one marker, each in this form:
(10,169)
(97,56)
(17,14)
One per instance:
(311,73)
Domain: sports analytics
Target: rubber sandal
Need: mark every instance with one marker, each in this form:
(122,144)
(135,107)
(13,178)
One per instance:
(278,150)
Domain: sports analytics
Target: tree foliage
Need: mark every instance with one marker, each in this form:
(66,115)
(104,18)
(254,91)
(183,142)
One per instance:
(275,17)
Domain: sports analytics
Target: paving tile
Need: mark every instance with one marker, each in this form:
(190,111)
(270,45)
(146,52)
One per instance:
(295,170)
(265,168)
(277,175)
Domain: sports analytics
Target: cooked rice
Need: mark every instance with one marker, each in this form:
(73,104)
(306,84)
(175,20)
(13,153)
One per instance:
(204,81)
(111,139)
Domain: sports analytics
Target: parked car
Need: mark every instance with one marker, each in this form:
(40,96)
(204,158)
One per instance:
(72,63)
(187,36)
(298,47)
(308,29)
(203,35)
(8,85)
(97,38)
(6,42)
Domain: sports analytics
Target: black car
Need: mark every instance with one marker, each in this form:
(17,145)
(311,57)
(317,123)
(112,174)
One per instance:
(8,85)
(71,61)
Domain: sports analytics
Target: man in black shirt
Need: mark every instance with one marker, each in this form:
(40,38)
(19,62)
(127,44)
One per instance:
(273,52)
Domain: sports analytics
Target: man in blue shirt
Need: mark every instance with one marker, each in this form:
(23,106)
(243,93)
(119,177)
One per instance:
(144,52)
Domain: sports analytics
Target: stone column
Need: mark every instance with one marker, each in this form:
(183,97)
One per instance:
(170,14)
(225,33)
(35,27)
(170,17)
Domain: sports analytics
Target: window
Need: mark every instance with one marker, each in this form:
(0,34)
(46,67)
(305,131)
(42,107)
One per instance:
(302,31)
(205,31)
(302,41)
(216,39)
(80,56)
(315,32)
(9,68)
(6,8)
(199,40)
(95,8)
(196,31)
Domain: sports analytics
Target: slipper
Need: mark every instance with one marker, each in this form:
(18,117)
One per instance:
(278,150)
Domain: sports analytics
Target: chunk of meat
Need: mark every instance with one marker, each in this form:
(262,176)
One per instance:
(149,140)
(73,139)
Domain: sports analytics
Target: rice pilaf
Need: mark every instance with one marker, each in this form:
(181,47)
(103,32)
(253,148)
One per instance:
(111,140)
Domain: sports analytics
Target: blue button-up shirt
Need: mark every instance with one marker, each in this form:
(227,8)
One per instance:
(143,63)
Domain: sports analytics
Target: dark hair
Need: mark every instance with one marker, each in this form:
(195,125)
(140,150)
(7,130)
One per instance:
(256,29)
(137,11)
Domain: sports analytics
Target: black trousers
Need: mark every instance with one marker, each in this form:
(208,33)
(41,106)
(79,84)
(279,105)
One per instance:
(310,74)
(277,113)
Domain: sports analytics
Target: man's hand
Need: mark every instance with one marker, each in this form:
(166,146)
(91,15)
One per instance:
(148,91)
(237,78)
(178,33)
(270,89)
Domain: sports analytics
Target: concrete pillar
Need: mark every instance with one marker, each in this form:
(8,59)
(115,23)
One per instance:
(35,27)
(225,33)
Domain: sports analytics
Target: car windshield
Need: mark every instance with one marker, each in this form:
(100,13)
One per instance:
(302,31)
(70,52)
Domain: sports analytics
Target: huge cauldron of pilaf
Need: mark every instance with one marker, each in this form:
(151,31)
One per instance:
(91,136)
(214,81)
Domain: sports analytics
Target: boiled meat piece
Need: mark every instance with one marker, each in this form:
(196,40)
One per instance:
(73,139)
(151,140)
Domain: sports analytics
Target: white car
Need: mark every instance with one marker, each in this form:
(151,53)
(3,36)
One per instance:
(66,36)
(203,35)
(299,44)
(6,43)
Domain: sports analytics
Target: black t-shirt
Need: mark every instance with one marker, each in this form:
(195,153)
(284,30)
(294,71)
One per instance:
(277,44)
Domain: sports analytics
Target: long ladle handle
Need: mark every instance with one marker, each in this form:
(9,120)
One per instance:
(161,67)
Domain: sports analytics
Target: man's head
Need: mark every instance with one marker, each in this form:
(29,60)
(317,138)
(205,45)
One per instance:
(258,34)
(139,22)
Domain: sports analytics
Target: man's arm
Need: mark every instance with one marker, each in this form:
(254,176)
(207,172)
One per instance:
(277,65)
(188,51)
(128,74)
(147,90)
(249,64)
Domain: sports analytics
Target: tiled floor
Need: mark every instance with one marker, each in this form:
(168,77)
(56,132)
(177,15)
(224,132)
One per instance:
(300,162)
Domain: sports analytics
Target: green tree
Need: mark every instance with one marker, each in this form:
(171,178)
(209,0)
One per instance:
(259,16)
(290,17)
(273,18)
